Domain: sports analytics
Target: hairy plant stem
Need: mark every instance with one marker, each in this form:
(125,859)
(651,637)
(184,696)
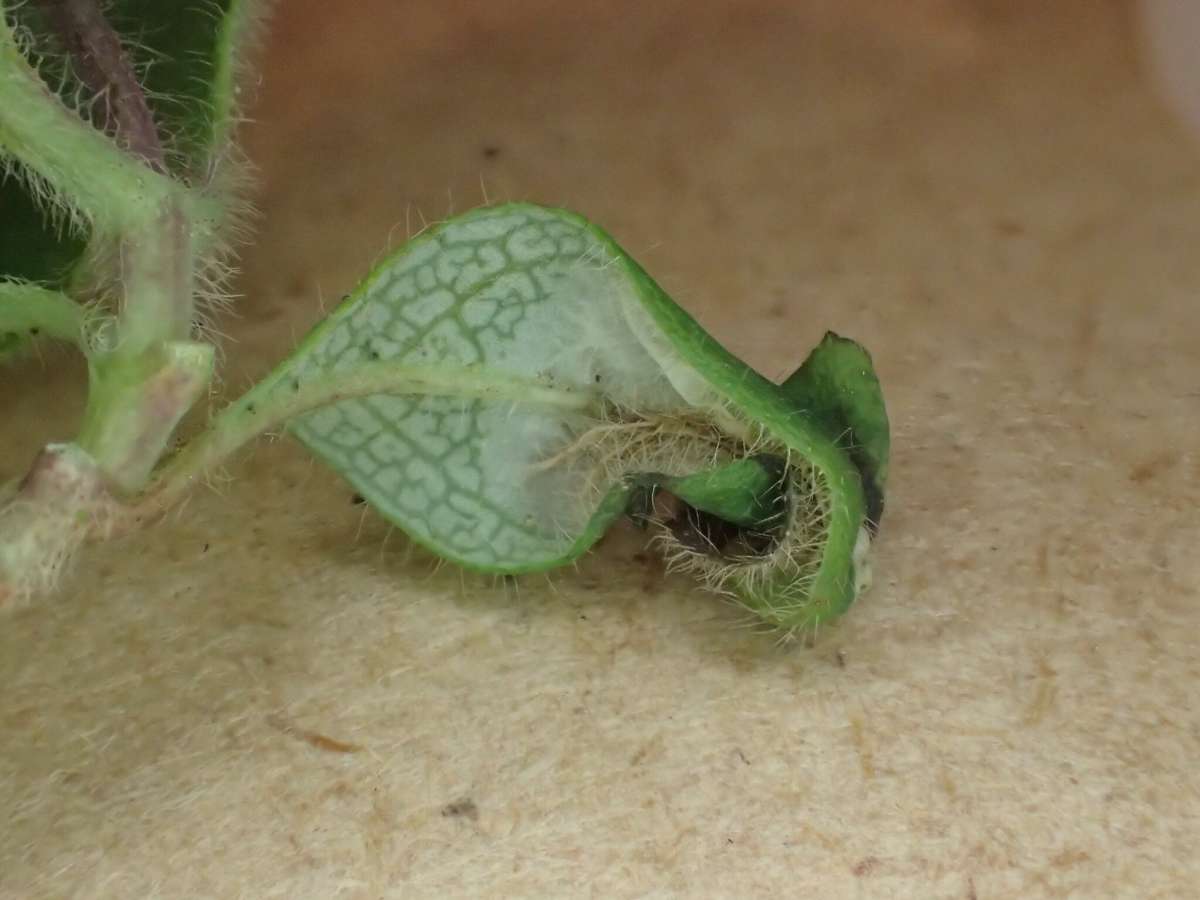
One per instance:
(84,172)
(153,244)
(101,63)
(136,401)
(146,374)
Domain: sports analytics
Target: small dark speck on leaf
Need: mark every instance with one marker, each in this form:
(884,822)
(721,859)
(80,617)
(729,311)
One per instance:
(742,756)
(204,549)
(34,332)
(491,151)
(358,499)
(464,808)
(582,617)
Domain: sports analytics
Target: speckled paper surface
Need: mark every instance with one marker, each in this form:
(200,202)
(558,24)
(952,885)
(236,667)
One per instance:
(267,696)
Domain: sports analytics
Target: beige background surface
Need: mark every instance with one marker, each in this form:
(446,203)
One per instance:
(265,696)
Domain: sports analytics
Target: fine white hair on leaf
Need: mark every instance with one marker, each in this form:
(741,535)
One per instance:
(771,580)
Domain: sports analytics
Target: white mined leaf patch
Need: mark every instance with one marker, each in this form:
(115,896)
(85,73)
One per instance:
(515,290)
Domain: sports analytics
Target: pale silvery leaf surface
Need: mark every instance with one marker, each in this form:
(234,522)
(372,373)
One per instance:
(516,289)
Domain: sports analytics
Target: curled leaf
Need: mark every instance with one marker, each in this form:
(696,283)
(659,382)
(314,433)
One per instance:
(544,385)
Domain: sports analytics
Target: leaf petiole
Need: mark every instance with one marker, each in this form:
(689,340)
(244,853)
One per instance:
(282,397)
(29,311)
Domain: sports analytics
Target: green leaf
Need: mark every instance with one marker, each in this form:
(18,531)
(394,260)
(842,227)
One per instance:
(602,389)
(838,386)
(29,312)
(745,492)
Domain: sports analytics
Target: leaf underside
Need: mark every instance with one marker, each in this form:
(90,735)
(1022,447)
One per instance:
(516,290)
(520,291)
